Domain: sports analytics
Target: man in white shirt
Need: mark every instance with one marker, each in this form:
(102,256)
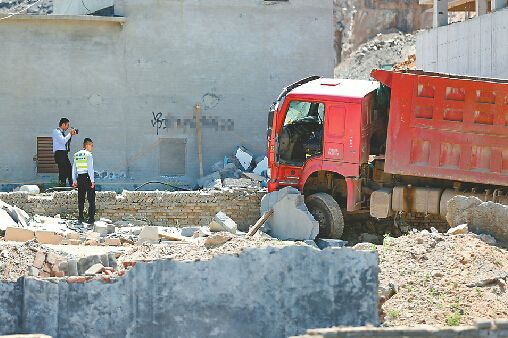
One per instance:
(61,148)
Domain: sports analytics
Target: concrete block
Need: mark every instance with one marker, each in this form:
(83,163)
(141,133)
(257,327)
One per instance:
(94,269)
(104,260)
(216,240)
(189,231)
(323,243)
(31,189)
(86,262)
(6,220)
(113,241)
(48,237)
(381,203)
(16,234)
(291,220)
(72,267)
(244,157)
(149,233)
(215,184)
(261,167)
(33,271)
(221,222)
(20,216)
(101,228)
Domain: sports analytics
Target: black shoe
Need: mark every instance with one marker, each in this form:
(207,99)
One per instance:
(91,221)
(80,221)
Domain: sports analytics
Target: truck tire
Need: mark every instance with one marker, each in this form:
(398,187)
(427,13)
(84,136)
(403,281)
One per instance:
(327,212)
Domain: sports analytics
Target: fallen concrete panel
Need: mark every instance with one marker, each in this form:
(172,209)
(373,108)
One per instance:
(291,220)
(270,293)
(481,217)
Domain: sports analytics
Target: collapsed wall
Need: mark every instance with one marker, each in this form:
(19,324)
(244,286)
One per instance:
(192,208)
(272,292)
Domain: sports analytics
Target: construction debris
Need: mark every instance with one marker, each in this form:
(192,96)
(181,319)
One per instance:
(481,217)
(221,222)
(291,219)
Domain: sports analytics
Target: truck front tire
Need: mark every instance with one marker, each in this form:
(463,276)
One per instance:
(327,212)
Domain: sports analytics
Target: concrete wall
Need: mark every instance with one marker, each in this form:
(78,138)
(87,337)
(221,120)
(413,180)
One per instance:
(130,86)
(260,293)
(158,208)
(475,47)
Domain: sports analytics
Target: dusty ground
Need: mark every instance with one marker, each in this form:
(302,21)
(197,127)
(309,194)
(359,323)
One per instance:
(432,272)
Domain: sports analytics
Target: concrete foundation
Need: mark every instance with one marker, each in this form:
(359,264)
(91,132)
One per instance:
(259,293)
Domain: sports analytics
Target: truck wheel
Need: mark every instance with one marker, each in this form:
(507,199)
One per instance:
(327,212)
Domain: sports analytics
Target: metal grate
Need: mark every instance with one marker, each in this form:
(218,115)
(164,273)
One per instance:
(45,160)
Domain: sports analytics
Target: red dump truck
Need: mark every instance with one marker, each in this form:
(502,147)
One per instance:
(407,142)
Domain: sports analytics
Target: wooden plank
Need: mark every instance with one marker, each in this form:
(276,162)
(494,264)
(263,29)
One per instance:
(260,223)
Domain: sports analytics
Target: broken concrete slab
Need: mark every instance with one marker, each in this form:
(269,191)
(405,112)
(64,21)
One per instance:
(6,220)
(101,228)
(208,179)
(31,189)
(244,157)
(189,231)
(213,185)
(481,217)
(149,233)
(291,220)
(216,240)
(17,234)
(221,222)
(240,183)
(94,269)
(261,167)
(324,243)
(458,230)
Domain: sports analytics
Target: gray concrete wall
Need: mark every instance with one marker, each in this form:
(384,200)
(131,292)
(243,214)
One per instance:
(474,47)
(231,56)
(260,293)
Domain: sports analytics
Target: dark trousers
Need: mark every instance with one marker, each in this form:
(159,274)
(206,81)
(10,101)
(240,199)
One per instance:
(85,189)
(64,167)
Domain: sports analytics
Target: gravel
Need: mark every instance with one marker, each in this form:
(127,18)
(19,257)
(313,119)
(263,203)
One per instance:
(383,50)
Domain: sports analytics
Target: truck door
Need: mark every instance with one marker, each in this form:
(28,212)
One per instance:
(334,140)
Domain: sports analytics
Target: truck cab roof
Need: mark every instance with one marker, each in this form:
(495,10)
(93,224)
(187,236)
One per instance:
(343,90)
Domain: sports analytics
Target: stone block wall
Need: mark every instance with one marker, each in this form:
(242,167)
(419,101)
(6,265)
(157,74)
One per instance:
(269,293)
(158,208)
(482,328)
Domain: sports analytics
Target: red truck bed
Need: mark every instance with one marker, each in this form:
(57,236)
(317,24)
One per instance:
(447,127)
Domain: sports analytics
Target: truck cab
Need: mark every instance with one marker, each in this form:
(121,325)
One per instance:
(319,137)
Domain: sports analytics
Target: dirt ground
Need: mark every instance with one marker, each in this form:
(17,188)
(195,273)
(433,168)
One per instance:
(442,280)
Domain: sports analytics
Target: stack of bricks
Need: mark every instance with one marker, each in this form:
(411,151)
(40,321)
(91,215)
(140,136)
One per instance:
(193,208)
(47,265)
(481,329)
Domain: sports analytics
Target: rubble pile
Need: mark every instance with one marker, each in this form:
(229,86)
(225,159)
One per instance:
(383,51)
(240,170)
(441,279)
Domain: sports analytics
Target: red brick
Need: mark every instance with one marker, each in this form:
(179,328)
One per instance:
(57,274)
(46,267)
(76,279)
(128,263)
(39,259)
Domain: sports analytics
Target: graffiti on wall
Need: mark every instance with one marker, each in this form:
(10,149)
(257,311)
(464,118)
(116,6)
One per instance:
(162,122)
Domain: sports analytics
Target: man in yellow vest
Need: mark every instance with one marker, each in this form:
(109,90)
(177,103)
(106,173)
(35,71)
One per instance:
(83,179)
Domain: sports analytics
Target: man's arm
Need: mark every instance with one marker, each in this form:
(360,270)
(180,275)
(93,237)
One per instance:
(58,136)
(90,168)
